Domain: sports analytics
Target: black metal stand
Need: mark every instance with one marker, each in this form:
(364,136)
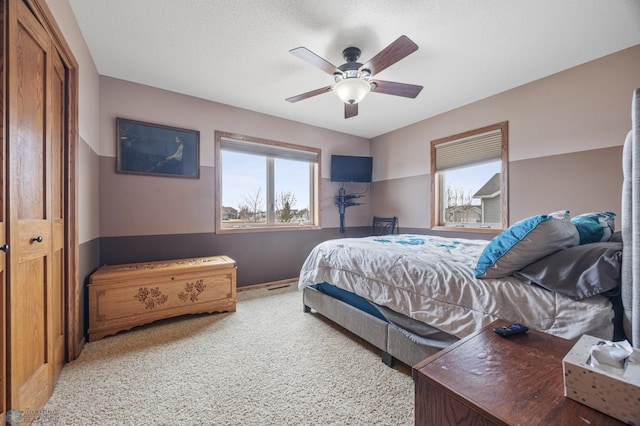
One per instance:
(342,200)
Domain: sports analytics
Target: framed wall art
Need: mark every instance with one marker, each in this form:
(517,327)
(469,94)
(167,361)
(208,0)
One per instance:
(154,149)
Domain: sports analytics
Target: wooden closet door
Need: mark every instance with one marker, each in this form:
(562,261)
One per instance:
(58,255)
(31,304)
(3,304)
(3,222)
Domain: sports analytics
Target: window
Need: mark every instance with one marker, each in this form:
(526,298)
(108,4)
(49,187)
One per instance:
(469,180)
(265,185)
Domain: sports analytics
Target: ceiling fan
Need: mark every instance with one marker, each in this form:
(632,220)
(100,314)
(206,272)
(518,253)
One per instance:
(353,80)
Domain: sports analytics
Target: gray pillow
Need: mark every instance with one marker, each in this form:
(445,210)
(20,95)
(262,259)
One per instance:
(577,272)
(525,242)
(616,237)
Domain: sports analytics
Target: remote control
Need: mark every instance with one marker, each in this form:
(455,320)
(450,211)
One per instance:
(510,330)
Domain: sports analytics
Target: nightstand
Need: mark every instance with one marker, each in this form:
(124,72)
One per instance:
(485,379)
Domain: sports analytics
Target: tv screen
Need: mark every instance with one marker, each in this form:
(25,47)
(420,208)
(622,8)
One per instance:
(350,168)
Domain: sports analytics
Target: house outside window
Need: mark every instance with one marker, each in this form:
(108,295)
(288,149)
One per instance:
(469,180)
(265,185)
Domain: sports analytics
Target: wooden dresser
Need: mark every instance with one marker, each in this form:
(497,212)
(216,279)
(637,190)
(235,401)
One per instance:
(486,379)
(125,296)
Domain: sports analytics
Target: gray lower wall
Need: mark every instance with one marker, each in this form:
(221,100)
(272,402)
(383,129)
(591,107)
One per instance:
(261,257)
(89,261)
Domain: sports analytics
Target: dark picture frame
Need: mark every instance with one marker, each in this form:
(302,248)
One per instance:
(156,150)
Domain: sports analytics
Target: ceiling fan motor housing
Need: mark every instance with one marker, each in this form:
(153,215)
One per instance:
(351,54)
(351,69)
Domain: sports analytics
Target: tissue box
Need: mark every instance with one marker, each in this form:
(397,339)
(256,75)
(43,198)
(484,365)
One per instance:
(617,396)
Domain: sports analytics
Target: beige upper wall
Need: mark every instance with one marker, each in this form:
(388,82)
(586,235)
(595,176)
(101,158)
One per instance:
(124,99)
(88,199)
(142,205)
(582,108)
(88,90)
(88,107)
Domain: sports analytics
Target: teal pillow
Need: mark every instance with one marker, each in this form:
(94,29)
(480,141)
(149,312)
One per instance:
(595,227)
(525,242)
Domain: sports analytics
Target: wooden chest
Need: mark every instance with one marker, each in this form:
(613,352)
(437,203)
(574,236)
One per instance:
(125,296)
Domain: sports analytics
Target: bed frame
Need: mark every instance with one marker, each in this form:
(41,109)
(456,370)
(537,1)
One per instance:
(395,344)
(385,336)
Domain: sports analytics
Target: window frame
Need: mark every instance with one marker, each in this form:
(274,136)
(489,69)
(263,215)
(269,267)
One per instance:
(437,222)
(314,184)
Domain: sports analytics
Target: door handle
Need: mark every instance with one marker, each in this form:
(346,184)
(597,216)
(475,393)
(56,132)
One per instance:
(37,239)
(4,248)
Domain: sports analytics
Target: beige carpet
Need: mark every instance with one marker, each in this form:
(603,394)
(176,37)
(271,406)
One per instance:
(266,364)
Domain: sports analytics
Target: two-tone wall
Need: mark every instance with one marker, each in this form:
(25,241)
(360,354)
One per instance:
(565,144)
(145,218)
(565,141)
(566,134)
(88,146)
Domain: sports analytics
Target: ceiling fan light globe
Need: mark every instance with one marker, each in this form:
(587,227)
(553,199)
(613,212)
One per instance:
(352,90)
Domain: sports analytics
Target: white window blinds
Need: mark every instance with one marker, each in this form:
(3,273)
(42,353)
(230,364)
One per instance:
(474,149)
(275,151)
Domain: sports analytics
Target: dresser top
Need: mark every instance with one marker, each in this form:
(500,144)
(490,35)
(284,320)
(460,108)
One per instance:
(514,380)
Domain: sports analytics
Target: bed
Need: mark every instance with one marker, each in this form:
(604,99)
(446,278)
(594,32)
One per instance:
(412,295)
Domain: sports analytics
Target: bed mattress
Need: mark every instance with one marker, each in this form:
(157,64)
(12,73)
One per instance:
(431,279)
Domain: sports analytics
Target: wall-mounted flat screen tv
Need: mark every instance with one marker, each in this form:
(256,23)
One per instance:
(350,168)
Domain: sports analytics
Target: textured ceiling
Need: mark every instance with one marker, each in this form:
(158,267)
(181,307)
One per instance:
(237,51)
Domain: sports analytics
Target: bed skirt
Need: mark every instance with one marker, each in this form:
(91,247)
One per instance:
(393,341)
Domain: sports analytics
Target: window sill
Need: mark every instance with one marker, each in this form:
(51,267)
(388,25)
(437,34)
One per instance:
(266,229)
(492,231)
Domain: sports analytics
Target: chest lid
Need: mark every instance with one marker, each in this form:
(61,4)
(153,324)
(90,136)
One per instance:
(163,267)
